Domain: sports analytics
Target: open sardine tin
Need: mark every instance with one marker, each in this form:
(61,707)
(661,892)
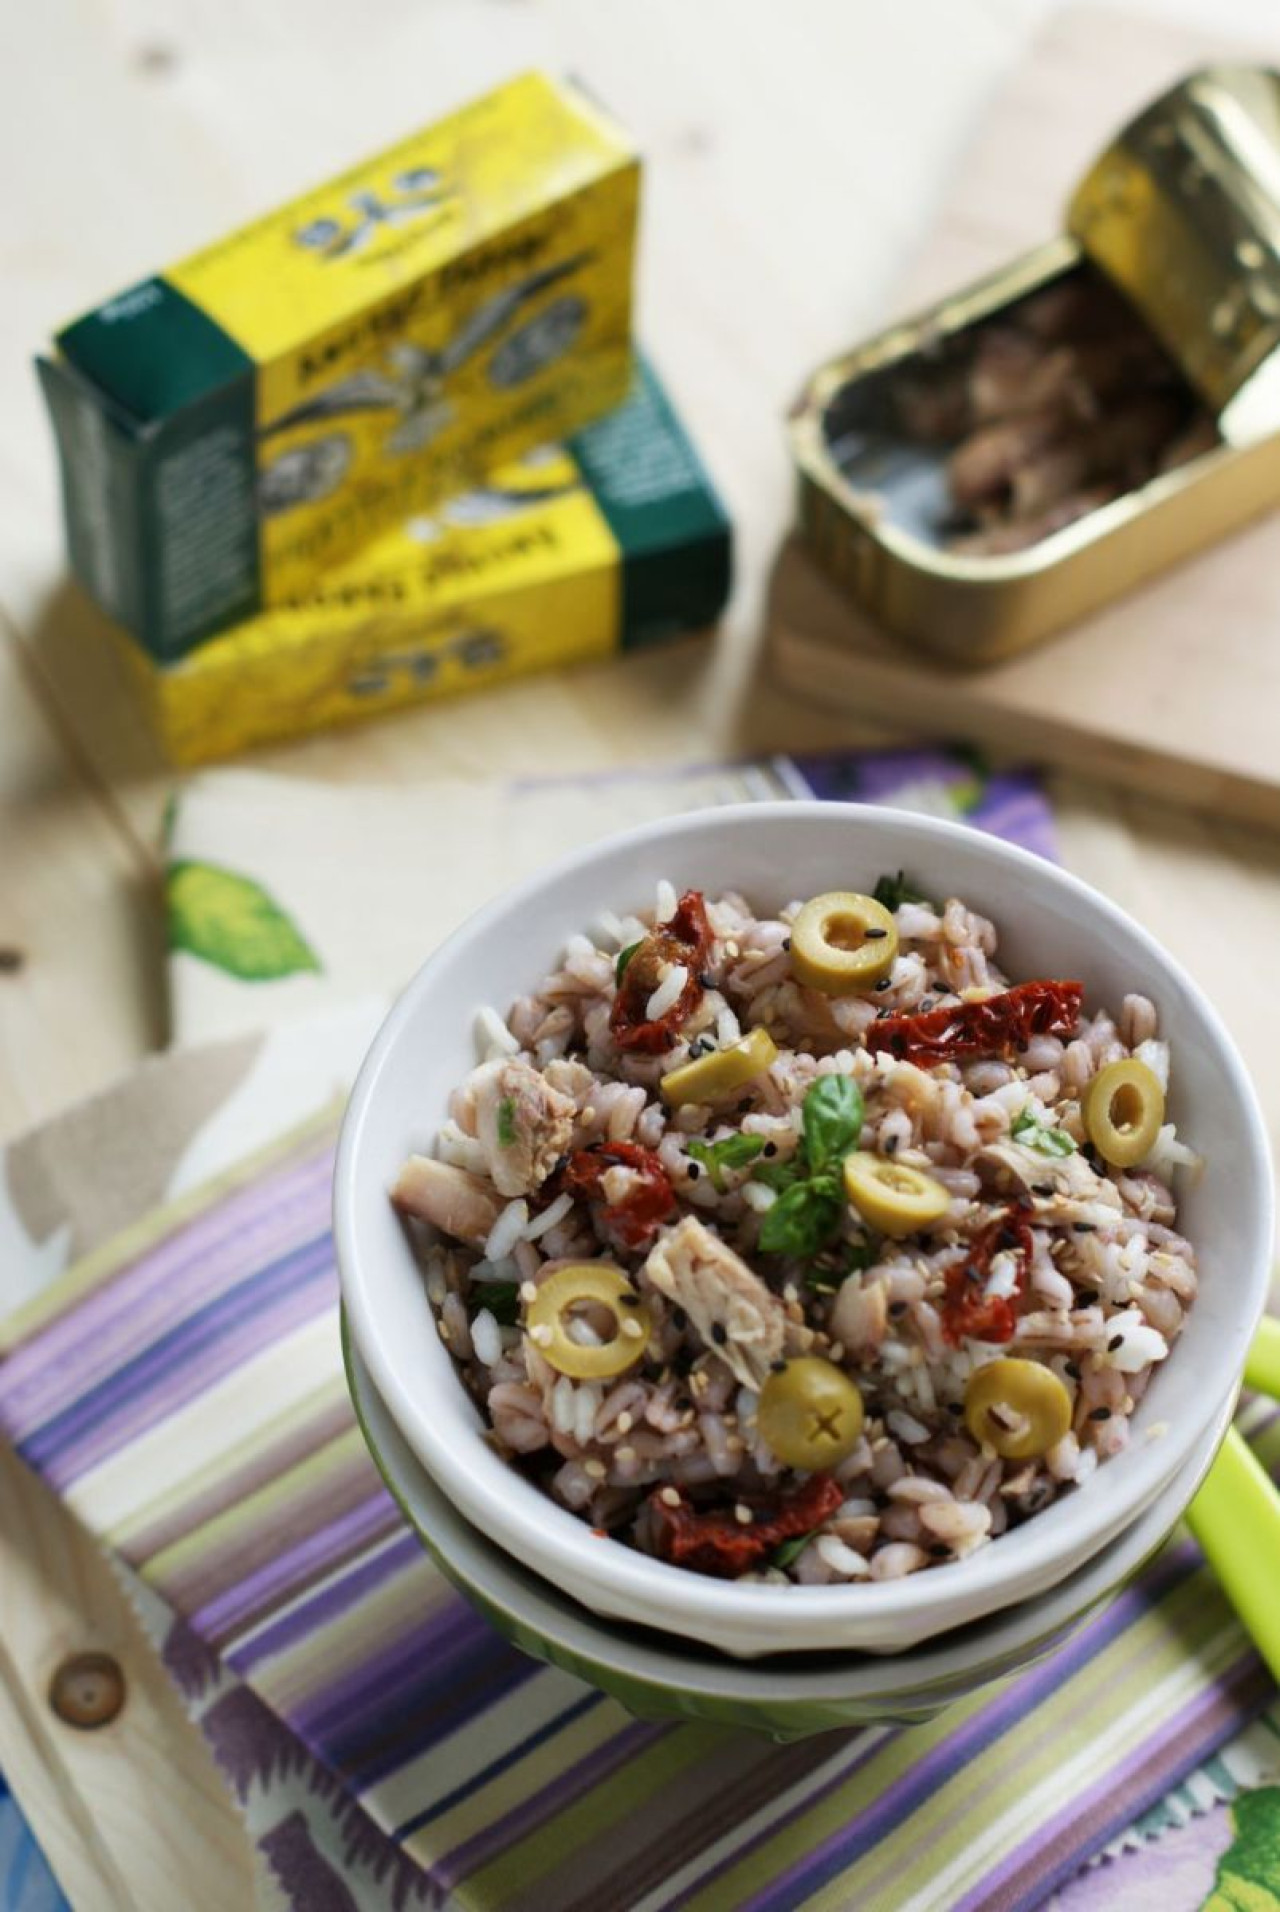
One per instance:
(1092,412)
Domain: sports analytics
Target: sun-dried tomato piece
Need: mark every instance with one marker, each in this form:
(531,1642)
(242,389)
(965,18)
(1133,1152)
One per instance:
(967,1309)
(999,1026)
(711,1542)
(649,1200)
(684,939)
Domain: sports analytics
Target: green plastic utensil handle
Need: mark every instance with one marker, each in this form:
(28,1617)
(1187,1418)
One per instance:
(1262,1370)
(1236,1519)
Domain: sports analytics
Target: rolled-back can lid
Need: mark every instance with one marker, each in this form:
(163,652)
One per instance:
(1182,213)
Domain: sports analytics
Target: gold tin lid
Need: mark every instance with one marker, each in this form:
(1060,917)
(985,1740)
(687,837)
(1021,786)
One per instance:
(1182,212)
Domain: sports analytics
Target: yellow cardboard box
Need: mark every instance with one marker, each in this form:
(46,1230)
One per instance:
(607,543)
(258,412)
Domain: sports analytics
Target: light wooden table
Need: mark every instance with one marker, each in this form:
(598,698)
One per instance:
(794,155)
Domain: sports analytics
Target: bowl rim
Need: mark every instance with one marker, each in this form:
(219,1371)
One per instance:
(520,1516)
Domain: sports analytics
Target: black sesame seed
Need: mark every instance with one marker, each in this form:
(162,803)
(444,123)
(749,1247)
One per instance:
(1084,1228)
(955,1408)
(1099,1414)
(694,1170)
(897,1309)
(770,1149)
(1008,1238)
(1042,1188)
(1072,1369)
(629,1299)
(939,1550)
(706,979)
(873,936)
(1117,1341)
(1085,1298)
(680,1319)
(778,1368)
(883,984)
(883,1012)
(744,1106)
(926,1004)
(719,1334)
(890,1145)
(786,943)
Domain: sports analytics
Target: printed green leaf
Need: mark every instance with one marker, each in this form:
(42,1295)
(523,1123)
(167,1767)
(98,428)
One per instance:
(1248,1877)
(506,1122)
(231,922)
(624,957)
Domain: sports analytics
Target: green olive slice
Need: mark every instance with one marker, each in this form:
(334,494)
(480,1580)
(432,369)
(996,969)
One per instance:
(843,943)
(547,1321)
(894,1198)
(1019,1408)
(1123,1109)
(707,1078)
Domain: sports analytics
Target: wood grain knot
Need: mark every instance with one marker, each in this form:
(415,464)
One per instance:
(87,1690)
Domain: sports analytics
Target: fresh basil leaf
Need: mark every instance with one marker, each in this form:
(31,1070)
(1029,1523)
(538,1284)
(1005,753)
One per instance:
(778,1175)
(506,1122)
(624,957)
(734,1152)
(833,1111)
(893,891)
(788,1551)
(855,1257)
(1038,1136)
(502,1299)
(801,1222)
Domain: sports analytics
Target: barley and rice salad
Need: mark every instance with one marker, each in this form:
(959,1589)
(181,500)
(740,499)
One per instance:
(806,1248)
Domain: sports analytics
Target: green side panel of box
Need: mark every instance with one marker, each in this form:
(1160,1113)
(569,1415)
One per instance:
(153,408)
(672,530)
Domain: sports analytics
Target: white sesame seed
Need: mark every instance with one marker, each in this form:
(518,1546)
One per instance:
(596,1469)
(742,1513)
(670,1497)
(540,1333)
(626,1422)
(528,1291)
(626,1453)
(632,1329)
(589,1113)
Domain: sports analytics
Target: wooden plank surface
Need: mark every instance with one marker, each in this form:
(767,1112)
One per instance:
(1172,689)
(795,157)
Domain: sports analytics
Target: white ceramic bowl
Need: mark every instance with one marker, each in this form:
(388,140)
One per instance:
(786,1696)
(1051,924)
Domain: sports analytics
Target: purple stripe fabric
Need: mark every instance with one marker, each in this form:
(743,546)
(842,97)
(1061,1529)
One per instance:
(1010,1704)
(184,1362)
(218,1246)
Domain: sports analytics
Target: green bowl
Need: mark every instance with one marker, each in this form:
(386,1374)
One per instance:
(657,1677)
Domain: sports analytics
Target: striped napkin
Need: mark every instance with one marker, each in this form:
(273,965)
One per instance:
(175,1373)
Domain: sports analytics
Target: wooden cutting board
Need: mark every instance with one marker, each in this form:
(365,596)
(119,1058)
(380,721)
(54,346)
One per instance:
(1173,690)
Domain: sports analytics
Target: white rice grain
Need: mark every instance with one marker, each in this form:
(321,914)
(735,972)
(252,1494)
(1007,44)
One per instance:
(507,1230)
(493,1038)
(841,1558)
(554,1212)
(486,1337)
(665,907)
(667,993)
